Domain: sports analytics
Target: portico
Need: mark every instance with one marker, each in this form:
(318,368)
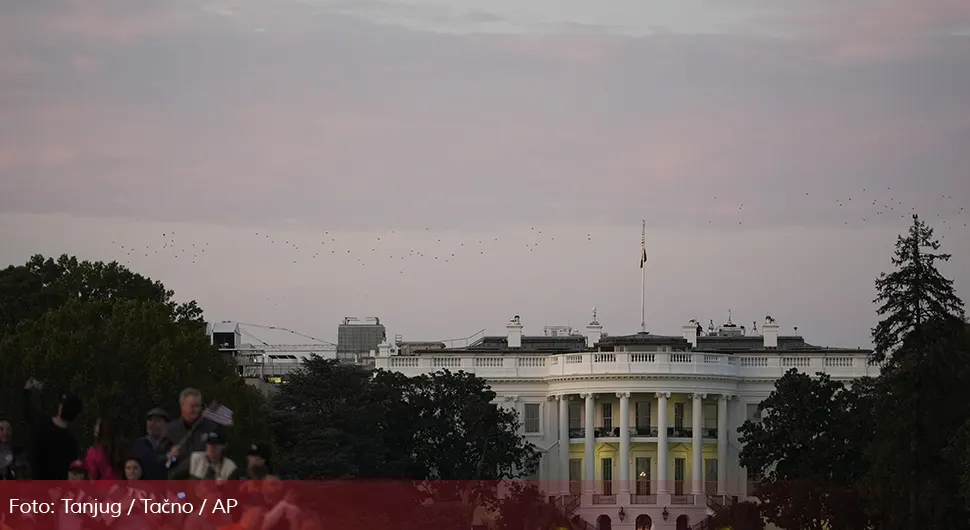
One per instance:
(638,447)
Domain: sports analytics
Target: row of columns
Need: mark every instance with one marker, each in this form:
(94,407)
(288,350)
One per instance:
(697,486)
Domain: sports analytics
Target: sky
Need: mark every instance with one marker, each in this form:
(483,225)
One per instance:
(446,164)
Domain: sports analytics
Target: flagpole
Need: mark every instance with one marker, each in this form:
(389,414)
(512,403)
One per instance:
(643,284)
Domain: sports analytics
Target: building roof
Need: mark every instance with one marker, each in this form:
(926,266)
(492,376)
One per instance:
(642,339)
(225,327)
(530,344)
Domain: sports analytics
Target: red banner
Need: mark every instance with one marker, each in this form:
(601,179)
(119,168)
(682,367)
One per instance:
(275,504)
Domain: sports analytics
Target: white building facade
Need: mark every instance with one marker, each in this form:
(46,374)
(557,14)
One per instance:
(637,431)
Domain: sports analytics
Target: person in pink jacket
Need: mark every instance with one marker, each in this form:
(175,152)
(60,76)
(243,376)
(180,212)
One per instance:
(105,459)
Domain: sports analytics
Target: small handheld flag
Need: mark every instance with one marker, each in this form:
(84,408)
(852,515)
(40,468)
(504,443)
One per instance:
(218,414)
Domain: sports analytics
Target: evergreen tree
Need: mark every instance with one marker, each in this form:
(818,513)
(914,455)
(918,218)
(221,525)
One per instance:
(920,344)
(913,296)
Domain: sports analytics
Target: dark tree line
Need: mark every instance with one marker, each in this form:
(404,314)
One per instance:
(882,453)
(115,338)
(340,421)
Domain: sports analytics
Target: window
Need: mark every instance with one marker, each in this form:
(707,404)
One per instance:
(753,414)
(643,415)
(575,416)
(643,476)
(606,466)
(575,475)
(678,416)
(532,418)
(608,416)
(710,417)
(679,476)
(710,476)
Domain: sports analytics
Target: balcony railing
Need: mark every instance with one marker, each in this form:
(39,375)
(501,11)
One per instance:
(644,499)
(604,499)
(596,363)
(679,432)
(648,432)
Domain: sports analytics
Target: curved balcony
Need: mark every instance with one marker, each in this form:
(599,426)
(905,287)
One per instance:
(605,363)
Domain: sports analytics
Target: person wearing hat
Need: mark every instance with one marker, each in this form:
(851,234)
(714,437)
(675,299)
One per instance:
(210,464)
(152,449)
(258,462)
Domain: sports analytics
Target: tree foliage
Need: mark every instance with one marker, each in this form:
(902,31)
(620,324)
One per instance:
(921,341)
(738,516)
(335,420)
(810,451)
(525,507)
(920,414)
(895,445)
(28,291)
(117,340)
(913,295)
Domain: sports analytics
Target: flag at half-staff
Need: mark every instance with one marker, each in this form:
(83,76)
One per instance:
(643,246)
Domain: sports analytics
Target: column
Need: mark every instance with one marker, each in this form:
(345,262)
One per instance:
(589,480)
(563,443)
(722,443)
(624,444)
(662,442)
(697,449)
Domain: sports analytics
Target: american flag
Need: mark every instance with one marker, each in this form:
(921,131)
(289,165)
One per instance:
(218,414)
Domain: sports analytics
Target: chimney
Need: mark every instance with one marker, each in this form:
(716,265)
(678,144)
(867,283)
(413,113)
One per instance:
(594,331)
(384,349)
(514,328)
(770,333)
(690,333)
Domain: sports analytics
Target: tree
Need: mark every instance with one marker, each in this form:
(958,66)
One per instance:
(442,430)
(958,453)
(122,358)
(336,420)
(921,338)
(461,435)
(739,516)
(526,507)
(115,338)
(463,441)
(913,296)
(30,290)
(810,451)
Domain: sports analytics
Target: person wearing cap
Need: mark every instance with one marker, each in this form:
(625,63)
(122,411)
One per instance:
(53,447)
(210,464)
(258,462)
(152,449)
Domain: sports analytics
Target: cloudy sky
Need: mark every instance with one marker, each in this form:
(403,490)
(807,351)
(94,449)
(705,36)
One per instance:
(444,164)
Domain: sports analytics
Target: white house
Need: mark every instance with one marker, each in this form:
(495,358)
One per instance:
(637,431)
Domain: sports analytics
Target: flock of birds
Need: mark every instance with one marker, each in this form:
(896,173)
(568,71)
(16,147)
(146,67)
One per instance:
(860,207)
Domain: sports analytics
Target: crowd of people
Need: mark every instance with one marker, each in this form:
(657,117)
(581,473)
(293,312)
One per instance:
(189,447)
